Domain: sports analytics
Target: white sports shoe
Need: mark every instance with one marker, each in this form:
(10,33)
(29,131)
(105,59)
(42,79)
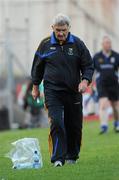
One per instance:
(116,126)
(117,129)
(58,164)
(71,161)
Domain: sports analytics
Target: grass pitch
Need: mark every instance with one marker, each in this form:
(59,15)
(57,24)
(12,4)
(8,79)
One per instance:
(99,158)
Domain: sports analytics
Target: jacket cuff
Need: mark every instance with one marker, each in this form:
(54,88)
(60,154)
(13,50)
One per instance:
(89,80)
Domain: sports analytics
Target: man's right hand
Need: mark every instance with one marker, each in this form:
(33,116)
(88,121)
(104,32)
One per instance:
(35,91)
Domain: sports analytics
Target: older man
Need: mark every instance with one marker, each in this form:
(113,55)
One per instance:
(64,63)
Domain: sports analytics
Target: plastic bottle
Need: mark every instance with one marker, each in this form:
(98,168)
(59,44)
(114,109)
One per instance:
(23,166)
(36,160)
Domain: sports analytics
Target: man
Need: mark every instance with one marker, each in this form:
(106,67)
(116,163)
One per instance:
(65,64)
(106,63)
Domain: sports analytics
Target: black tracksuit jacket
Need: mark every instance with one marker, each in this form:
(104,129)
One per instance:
(62,67)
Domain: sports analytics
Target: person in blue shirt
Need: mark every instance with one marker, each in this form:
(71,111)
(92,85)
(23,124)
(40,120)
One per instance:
(106,64)
(64,63)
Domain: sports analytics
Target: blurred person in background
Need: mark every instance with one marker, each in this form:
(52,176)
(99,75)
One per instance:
(106,63)
(33,107)
(65,64)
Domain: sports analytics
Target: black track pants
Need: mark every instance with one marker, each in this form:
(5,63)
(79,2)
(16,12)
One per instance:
(65,114)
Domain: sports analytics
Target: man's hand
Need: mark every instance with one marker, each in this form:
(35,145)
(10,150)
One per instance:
(35,91)
(83,86)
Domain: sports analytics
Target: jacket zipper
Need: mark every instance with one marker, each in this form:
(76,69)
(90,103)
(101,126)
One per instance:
(62,48)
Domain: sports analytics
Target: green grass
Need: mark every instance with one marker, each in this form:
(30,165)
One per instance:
(99,158)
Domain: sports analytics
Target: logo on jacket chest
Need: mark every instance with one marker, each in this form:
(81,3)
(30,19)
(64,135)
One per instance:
(70,51)
(112,60)
(101,60)
(53,48)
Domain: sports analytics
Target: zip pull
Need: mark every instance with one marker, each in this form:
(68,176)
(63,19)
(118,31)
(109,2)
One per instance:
(62,48)
(61,45)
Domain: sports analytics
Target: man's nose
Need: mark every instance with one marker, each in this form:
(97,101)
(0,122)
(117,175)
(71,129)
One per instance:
(60,33)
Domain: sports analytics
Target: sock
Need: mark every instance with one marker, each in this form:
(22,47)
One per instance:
(103,115)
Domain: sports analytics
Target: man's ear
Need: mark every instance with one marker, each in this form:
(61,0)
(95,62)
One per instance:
(69,27)
(52,27)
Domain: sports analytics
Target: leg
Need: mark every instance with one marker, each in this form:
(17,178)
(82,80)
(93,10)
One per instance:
(57,133)
(103,115)
(115,107)
(73,126)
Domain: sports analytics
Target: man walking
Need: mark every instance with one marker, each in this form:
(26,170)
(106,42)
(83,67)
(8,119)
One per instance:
(106,63)
(64,63)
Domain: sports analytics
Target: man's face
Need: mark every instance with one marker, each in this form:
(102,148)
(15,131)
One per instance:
(61,32)
(106,44)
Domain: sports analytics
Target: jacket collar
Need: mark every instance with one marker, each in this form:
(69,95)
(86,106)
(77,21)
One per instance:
(70,39)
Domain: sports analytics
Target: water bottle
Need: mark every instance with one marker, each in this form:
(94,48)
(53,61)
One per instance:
(26,165)
(36,160)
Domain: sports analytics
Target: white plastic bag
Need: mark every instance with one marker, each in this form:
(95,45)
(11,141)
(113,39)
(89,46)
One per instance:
(23,153)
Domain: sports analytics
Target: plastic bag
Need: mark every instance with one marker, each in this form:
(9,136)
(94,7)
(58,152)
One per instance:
(24,152)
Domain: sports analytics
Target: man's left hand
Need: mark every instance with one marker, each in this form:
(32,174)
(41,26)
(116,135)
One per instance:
(83,86)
